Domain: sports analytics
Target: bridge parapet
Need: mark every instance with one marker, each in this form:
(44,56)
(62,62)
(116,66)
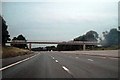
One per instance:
(71,43)
(18,41)
(84,43)
(81,43)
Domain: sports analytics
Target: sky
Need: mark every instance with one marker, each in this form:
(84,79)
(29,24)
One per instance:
(58,20)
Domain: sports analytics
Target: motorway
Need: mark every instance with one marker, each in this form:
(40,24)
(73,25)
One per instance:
(61,65)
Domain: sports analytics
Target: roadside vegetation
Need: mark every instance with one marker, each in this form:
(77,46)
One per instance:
(109,41)
(13,51)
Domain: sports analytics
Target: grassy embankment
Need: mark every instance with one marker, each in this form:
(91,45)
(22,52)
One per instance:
(12,52)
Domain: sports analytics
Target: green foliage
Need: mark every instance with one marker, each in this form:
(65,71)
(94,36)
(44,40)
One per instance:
(49,48)
(12,52)
(81,38)
(89,36)
(19,38)
(111,38)
(5,33)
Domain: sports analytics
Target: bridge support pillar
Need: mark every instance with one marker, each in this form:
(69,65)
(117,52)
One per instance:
(30,46)
(84,47)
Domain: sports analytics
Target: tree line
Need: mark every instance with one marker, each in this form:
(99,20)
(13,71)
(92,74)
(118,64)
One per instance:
(89,36)
(6,36)
(110,38)
(5,33)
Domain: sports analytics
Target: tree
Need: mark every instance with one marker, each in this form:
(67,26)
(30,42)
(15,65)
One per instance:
(89,36)
(92,36)
(111,38)
(19,38)
(49,48)
(5,33)
(81,38)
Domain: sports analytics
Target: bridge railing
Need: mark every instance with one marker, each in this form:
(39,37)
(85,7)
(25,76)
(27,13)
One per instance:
(19,41)
(84,43)
(46,42)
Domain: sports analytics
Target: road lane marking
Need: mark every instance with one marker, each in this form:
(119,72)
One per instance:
(103,57)
(53,58)
(66,69)
(77,57)
(85,53)
(56,61)
(1,69)
(90,60)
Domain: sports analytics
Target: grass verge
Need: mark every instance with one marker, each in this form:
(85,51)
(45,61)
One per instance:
(13,51)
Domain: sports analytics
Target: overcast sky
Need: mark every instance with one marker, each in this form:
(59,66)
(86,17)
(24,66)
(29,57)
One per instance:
(59,20)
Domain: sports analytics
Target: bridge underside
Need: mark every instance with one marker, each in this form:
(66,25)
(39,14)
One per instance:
(63,43)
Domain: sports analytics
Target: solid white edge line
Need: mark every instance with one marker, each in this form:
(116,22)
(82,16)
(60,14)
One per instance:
(90,60)
(17,63)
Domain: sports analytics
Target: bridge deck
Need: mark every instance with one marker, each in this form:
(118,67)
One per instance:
(67,43)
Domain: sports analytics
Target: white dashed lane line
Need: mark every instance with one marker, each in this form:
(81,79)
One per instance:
(77,57)
(53,58)
(56,61)
(103,57)
(66,69)
(90,60)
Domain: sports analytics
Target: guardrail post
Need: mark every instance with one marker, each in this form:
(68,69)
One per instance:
(84,47)
(30,46)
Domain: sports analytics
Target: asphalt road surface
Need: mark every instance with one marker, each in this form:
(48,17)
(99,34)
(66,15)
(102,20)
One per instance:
(62,65)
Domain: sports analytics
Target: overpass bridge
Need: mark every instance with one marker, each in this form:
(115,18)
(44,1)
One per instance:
(84,43)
